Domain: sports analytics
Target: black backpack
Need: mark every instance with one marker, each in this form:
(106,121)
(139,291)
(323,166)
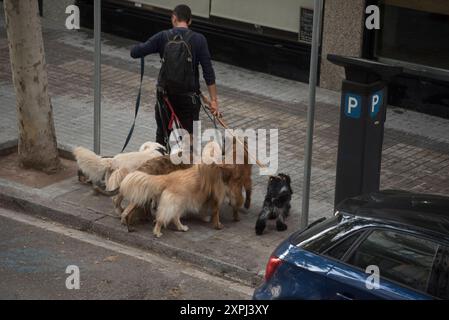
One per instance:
(177,74)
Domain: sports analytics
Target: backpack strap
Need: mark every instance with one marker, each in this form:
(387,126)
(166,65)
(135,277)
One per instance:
(187,36)
(168,36)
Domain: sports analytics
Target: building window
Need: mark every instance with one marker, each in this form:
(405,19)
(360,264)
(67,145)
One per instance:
(415,31)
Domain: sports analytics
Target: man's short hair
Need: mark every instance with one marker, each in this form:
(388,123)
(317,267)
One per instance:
(183,13)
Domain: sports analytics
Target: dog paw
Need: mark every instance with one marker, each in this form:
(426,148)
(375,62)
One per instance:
(280,226)
(260,227)
(236,217)
(247,204)
(218,226)
(185,228)
(157,234)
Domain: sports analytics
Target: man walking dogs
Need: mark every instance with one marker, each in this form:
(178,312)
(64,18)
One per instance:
(178,88)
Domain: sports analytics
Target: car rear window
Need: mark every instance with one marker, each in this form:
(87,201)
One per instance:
(400,257)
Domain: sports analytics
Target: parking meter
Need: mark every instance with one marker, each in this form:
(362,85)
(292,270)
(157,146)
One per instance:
(362,117)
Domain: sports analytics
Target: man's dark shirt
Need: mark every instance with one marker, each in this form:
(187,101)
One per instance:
(200,52)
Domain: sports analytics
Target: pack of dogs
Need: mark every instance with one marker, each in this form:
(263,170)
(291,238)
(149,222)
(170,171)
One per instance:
(152,185)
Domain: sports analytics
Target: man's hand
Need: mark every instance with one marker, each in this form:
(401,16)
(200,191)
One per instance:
(213,105)
(213,102)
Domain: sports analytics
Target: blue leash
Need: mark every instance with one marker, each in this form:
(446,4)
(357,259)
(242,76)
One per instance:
(128,138)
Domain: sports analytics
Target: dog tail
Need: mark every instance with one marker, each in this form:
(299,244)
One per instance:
(139,188)
(92,165)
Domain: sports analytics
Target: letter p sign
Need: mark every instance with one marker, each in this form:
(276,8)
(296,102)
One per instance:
(353,105)
(376,102)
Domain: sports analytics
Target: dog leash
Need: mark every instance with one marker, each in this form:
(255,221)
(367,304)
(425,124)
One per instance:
(173,117)
(209,114)
(224,125)
(128,138)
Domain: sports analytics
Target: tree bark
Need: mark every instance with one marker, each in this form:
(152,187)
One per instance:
(37,147)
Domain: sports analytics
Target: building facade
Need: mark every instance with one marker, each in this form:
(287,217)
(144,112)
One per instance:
(274,37)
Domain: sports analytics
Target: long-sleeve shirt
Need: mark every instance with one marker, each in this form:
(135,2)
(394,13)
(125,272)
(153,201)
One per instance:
(200,53)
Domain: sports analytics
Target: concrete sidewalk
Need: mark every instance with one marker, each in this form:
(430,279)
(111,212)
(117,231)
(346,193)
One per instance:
(415,156)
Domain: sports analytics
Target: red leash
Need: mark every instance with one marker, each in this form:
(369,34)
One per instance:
(173,116)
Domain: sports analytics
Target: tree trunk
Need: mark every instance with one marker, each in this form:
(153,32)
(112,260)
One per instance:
(37,139)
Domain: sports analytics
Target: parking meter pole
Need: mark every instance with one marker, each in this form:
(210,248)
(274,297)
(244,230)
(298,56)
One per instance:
(97,76)
(314,60)
(360,139)
(362,118)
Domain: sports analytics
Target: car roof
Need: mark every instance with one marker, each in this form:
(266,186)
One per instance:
(422,211)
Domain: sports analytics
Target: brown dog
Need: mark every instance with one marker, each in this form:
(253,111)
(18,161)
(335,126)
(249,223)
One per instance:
(238,177)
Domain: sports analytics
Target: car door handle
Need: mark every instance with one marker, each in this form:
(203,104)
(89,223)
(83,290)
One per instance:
(345,296)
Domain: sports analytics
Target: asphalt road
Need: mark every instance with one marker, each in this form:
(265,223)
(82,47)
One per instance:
(34,256)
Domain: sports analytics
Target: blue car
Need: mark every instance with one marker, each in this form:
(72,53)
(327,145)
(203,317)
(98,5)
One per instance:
(384,245)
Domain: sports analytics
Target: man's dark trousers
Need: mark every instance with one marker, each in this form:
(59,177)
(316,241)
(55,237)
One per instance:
(187,109)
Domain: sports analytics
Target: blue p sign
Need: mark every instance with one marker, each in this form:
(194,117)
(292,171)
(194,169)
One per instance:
(353,105)
(376,102)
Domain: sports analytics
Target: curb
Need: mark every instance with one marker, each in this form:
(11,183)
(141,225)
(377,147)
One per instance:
(97,223)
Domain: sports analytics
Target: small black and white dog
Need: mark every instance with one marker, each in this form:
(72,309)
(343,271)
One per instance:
(276,204)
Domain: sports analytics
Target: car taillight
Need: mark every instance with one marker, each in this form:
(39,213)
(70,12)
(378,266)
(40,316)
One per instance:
(272,265)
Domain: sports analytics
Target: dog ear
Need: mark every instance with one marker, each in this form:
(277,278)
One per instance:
(287,179)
